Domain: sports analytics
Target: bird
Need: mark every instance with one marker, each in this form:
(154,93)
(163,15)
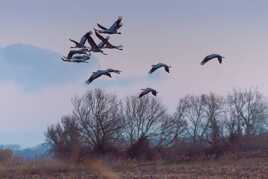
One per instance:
(210,57)
(159,65)
(94,46)
(78,56)
(107,43)
(99,73)
(82,42)
(113,29)
(77,59)
(147,91)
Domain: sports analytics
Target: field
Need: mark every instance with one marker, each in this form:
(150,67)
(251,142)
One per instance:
(256,167)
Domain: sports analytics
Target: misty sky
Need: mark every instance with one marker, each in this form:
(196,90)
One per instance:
(177,32)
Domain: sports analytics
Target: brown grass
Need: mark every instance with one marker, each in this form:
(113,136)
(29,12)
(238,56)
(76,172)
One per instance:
(101,169)
(255,168)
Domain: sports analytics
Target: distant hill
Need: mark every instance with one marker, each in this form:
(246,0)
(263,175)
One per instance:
(35,152)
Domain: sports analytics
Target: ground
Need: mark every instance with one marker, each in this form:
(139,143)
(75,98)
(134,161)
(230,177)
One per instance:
(254,168)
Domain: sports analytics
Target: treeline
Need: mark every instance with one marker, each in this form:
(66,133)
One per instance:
(207,125)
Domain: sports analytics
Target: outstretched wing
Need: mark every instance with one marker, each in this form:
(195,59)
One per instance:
(105,40)
(91,78)
(143,93)
(210,57)
(75,42)
(84,39)
(92,42)
(100,36)
(203,62)
(153,69)
(117,24)
(102,27)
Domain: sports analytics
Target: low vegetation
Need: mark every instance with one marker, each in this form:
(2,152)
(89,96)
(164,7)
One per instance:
(249,167)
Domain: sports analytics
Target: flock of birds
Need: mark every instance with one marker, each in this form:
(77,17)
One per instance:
(80,53)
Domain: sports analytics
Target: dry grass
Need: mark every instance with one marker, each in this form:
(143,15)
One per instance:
(254,168)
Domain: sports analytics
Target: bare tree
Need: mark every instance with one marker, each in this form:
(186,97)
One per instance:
(249,111)
(142,126)
(142,118)
(233,123)
(99,119)
(65,138)
(174,127)
(213,112)
(195,116)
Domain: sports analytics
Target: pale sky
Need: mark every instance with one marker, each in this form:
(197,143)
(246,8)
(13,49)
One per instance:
(177,32)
